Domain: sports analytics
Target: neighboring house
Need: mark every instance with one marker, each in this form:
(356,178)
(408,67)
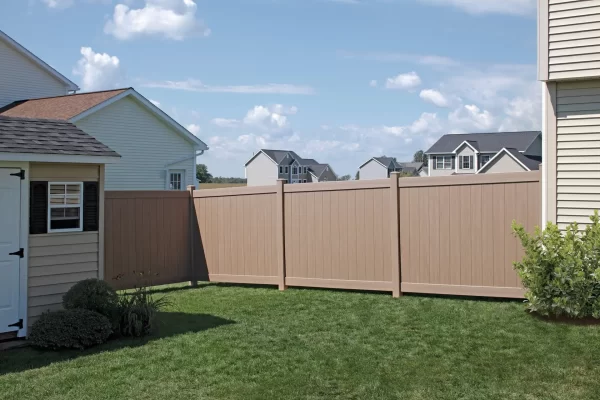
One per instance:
(382,167)
(157,152)
(470,153)
(267,166)
(52,213)
(568,66)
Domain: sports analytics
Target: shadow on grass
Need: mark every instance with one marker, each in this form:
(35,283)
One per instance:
(168,324)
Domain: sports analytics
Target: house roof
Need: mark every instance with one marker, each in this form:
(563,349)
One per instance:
(485,142)
(36,60)
(392,163)
(74,107)
(530,164)
(43,136)
(318,169)
(59,107)
(284,157)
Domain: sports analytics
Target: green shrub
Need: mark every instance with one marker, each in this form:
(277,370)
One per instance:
(70,329)
(94,295)
(138,312)
(561,270)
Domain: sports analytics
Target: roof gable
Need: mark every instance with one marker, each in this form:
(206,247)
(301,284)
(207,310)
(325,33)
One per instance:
(527,163)
(37,61)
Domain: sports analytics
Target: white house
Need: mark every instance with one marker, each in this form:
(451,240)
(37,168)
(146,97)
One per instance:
(157,152)
(382,167)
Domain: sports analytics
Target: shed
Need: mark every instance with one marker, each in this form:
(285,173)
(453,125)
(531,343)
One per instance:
(51,208)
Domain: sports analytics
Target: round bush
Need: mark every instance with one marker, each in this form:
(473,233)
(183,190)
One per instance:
(70,329)
(93,295)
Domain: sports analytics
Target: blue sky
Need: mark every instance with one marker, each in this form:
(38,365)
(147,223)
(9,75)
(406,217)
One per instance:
(336,80)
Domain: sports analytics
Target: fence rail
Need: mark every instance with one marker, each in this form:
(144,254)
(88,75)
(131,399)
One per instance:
(423,235)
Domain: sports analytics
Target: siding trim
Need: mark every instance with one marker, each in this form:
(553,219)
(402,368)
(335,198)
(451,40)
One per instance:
(543,40)
(551,151)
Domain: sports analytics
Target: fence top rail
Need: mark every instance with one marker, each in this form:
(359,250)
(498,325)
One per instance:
(338,185)
(235,191)
(483,179)
(146,194)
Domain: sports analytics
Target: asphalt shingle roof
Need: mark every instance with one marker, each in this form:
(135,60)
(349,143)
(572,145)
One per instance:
(486,142)
(530,163)
(42,136)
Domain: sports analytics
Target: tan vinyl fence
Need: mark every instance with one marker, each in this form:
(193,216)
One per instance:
(423,235)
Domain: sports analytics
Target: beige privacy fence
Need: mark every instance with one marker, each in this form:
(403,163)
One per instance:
(447,235)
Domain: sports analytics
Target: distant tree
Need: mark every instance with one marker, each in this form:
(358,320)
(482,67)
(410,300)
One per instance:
(420,157)
(345,178)
(222,179)
(202,174)
(357,176)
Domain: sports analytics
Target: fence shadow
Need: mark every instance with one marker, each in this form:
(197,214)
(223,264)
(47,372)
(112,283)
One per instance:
(169,324)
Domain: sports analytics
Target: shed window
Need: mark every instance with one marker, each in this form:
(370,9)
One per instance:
(65,206)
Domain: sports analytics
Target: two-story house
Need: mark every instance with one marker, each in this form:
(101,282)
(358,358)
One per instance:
(267,166)
(382,167)
(157,153)
(479,153)
(569,68)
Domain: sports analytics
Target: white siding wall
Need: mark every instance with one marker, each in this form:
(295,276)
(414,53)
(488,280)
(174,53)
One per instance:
(262,171)
(578,150)
(373,170)
(145,144)
(504,163)
(574,38)
(465,152)
(439,172)
(22,79)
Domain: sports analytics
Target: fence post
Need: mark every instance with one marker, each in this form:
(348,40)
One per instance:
(395,234)
(280,226)
(193,280)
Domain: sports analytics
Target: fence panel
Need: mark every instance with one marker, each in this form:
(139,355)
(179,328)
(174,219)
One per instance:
(235,235)
(455,233)
(147,232)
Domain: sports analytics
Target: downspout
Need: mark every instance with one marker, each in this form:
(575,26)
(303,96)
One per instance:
(197,153)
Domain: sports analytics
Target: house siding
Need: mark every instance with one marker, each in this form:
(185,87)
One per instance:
(145,143)
(262,171)
(439,172)
(59,260)
(569,39)
(373,170)
(577,151)
(504,163)
(466,151)
(21,79)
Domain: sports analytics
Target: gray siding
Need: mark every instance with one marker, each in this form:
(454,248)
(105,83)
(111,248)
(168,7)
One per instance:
(577,150)
(504,163)
(22,79)
(373,170)
(466,151)
(262,171)
(439,172)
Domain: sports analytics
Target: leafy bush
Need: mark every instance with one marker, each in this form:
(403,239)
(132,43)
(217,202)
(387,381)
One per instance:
(561,270)
(70,329)
(138,311)
(94,295)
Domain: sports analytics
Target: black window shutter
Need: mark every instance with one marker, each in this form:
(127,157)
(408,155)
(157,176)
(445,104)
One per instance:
(91,204)
(38,207)
(434,162)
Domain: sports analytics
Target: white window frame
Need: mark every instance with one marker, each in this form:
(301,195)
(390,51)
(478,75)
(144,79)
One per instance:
(281,170)
(443,160)
(54,206)
(287,170)
(461,162)
(294,170)
(168,180)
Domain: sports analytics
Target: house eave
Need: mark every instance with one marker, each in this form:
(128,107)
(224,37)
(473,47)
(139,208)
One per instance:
(59,158)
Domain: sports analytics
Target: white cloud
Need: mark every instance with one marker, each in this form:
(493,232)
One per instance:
(58,3)
(471,117)
(225,122)
(173,19)
(403,81)
(511,7)
(194,85)
(434,97)
(426,123)
(373,83)
(156,103)
(283,110)
(263,117)
(98,71)
(195,129)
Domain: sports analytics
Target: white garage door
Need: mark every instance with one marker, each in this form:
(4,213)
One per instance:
(10,211)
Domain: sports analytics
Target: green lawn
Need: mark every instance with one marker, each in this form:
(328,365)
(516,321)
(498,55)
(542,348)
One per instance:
(234,342)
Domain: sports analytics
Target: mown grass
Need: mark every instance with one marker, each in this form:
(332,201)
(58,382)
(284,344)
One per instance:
(234,342)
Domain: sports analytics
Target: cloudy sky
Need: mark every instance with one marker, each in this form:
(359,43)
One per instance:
(336,80)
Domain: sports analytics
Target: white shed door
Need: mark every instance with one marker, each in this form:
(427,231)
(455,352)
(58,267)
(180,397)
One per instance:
(10,212)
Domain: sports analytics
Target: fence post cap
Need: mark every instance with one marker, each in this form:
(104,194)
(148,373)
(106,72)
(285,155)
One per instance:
(191,188)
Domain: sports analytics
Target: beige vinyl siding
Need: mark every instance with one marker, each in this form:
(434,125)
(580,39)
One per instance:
(262,171)
(440,172)
(577,151)
(59,260)
(145,143)
(373,170)
(466,151)
(573,39)
(21,79)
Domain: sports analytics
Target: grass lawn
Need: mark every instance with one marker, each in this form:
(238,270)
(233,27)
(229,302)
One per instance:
(234,342)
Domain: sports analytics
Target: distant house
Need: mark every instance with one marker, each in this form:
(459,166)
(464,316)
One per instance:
(484,153)
(382,167)
(267,166)
(156,152)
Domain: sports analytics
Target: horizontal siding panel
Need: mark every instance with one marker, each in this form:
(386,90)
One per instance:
(584,19)
(43,300)
(63,259)
(565,86)
(579,204)
(592,90)
(39,310)
(63,269)
(588,26)
(570,13)
(579,182)
(58,239)
(594,34)
(578,137)
(570,44)
(572,51)
(579,144)
(578,160)
(576,212)
(572,67)
(62,278)
(579,167)
(577,174)
(576,58)
(65,249)
(567,219)
(50,289)
(579,152)
(578,114)
(579,99)
(563,226)
(591,106)
(577,189)
(579,196)
(570,5)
